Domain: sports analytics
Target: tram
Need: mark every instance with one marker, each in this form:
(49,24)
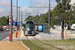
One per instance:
(29,28)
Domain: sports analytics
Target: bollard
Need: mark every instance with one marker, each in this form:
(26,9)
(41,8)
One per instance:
(16,34)
(61,31)
(9,36)
(61,34)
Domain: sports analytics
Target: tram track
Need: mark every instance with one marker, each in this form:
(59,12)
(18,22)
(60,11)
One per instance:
(34,44)
(48,44)
(42,43)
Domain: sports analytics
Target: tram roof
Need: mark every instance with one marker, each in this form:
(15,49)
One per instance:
(29,21)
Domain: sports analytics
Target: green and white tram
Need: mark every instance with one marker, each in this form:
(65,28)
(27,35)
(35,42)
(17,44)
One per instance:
(29,28)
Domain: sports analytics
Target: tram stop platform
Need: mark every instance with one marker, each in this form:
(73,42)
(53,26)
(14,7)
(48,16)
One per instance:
(14,45)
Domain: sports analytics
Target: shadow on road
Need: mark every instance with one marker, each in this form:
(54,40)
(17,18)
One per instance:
(36,33)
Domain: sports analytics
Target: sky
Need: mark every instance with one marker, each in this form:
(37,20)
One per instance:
(24,7)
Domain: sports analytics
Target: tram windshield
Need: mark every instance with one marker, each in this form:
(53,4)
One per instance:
(29,27)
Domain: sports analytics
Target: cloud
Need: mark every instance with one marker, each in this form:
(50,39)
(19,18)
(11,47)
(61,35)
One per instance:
(72,2)
(24,9)
(2,12)
(4,3)
(4,8)
(36,3)
(41,3)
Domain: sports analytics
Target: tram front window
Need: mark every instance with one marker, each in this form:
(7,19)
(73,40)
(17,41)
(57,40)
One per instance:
(29,27)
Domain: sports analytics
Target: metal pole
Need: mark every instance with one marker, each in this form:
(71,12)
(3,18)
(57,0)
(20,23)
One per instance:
(19,17)
(17,13)
(49,18)
(21,20)
(37,17)
(11,20)
(62,23)
(33,18)
(28,13)
(43,19)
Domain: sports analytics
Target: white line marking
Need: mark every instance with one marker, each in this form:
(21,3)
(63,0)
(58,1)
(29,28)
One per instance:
(24,45)
(53,36)
(39,36)
(22,42)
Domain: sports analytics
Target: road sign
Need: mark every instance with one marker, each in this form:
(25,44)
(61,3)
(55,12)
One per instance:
(48,24)
(19,23)
(40,28)
(13,22)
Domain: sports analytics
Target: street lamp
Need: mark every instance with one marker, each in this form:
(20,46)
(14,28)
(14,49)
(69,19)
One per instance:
(33,18)
(28,13)
(11,19)
(49,18)
(21,20)
(19,13)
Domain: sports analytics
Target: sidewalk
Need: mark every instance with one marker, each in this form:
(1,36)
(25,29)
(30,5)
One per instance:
(69,35)
(15,45)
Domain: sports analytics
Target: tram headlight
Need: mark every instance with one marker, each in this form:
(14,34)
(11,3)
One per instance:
(28,29)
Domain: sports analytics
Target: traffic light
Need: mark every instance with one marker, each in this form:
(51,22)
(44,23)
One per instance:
(15,23)
(7,21)
(62,24)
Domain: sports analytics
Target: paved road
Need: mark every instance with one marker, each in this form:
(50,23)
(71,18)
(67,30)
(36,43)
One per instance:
(4,34)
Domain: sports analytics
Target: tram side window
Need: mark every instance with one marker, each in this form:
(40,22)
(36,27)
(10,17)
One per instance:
(25,27)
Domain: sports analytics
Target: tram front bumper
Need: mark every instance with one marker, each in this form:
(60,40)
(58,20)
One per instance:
(29,33)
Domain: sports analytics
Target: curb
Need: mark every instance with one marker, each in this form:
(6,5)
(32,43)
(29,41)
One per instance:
(6,38)
(24,45)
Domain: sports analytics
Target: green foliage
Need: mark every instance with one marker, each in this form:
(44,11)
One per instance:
(2,21)
(29,18)
(71,22)
(60,10)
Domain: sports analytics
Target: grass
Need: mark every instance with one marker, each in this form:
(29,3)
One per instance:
(46,47)
(30,45)
(69,44)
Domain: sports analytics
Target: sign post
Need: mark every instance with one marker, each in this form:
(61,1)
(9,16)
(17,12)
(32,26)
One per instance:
(9,26)
(13,22)
(10,23)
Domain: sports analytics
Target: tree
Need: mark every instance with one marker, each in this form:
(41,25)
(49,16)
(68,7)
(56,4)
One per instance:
(2,21)
(29,18)
(64,13)
(52,22)
(62,10)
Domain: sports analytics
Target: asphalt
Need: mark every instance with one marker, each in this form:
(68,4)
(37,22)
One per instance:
(3,34)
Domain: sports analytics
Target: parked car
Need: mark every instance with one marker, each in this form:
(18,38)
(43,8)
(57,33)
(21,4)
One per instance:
(7,29)
(68,26)
(73,27)
(1,29)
